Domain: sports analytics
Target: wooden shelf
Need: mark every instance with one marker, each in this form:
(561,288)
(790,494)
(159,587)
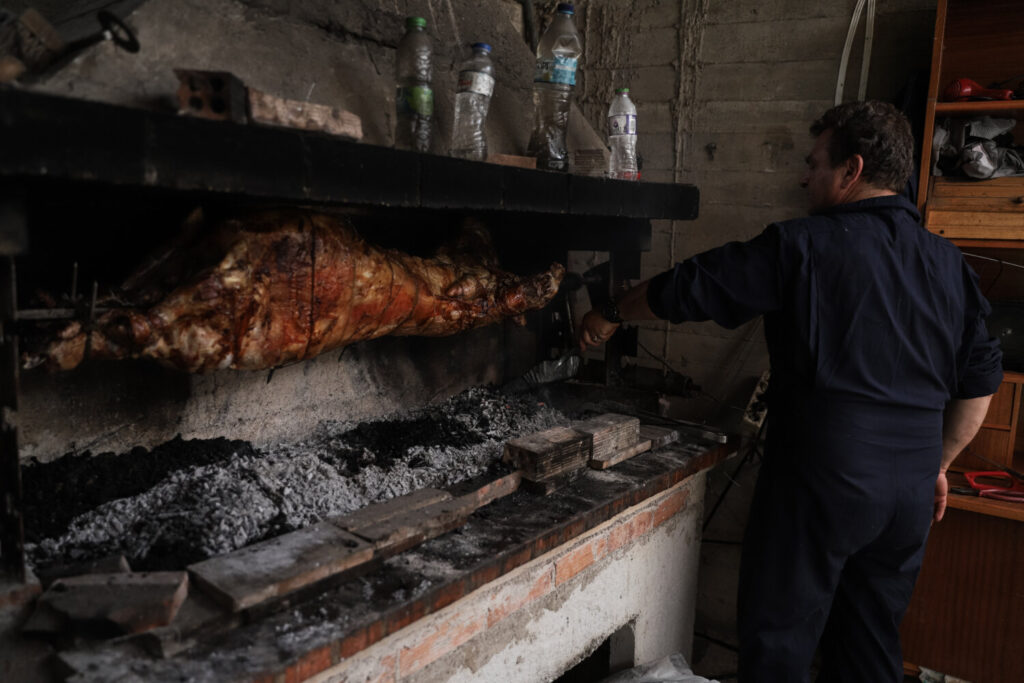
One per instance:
(1004,108)
(987,506)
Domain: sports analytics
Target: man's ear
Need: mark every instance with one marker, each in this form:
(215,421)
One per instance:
(852,168)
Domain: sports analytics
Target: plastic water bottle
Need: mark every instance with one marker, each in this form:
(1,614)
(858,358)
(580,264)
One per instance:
(414,99)
(622,137)
(473,98)
(558,54)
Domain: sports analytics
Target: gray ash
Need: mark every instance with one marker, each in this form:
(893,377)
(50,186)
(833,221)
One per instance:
(213,497)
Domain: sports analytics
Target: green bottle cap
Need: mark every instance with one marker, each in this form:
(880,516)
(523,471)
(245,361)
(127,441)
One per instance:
(622,90)
(415,22)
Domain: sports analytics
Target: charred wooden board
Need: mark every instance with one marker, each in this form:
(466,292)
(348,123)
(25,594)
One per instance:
(611,433)
(412,527)
(263,572)
(122,602)
(378,513)
(658,436)
(266,570)
(619,456)
(405,521)
(550,452)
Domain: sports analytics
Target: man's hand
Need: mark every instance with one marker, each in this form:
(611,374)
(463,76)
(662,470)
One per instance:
(941,492)
(595,330)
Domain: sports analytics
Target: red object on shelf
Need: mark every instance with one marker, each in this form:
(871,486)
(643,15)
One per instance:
(965,89)
(995,488)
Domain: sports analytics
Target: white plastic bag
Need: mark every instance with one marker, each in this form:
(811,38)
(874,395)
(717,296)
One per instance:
(671,669)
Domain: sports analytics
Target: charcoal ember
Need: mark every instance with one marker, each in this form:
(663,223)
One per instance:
(82,482)
(225,502)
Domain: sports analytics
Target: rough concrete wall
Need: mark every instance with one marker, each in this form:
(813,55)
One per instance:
(334,53)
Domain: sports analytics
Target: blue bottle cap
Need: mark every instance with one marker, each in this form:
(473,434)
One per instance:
(481,46)
(566,8)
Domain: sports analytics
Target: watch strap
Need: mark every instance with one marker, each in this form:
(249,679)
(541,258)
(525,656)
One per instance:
(610,312)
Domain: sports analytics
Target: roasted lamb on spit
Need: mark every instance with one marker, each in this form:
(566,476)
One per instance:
(282,286)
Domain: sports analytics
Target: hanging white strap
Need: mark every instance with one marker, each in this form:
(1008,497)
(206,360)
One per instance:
(845,60)
(869,37)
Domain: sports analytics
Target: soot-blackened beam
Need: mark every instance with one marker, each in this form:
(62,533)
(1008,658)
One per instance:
(55,137)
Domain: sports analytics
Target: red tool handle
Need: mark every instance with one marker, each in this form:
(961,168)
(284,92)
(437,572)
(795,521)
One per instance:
(965,88)
(972,478)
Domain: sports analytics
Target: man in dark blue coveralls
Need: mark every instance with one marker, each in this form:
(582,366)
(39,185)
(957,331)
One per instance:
(881,373)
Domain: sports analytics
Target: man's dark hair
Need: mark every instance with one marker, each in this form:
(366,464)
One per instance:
(878,132)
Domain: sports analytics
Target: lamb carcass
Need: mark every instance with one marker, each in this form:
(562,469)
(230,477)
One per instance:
(282,286)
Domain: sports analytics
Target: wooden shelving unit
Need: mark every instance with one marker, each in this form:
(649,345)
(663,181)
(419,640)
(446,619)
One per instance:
(961,620)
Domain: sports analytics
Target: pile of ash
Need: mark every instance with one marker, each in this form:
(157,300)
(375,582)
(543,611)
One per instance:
(188,500)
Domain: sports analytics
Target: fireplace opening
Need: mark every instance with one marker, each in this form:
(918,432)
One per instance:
(616,653)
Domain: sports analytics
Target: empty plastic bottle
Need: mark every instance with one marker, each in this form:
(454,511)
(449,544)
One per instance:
(558,55)
(414,99)
(472,99)
(622,137)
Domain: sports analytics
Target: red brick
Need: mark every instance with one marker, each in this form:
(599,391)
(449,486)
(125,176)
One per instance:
(356,642)
(670,506)
(448,594)
(515,600)
(309,665)
(448,635)
(573,563)
(628,532)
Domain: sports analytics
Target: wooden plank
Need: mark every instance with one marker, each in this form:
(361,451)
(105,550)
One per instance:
(125,601)
(499,488)
(280,565)
(611,432)
(975,204)
(1000,224)
(619,456)
(993,187)
(550,452)
(658,436)
(412,527)
(378,513)
(403,522)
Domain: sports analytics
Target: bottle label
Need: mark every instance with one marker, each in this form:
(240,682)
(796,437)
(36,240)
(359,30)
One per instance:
(558,70)
(622,124)
(476,82)
(418,99)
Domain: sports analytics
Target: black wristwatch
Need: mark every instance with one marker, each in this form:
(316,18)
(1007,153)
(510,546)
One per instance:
(610,312)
